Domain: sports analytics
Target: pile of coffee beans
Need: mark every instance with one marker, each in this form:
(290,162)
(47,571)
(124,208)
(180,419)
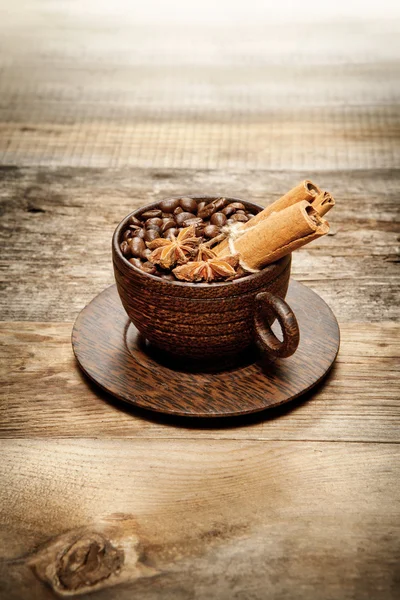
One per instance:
(172,215)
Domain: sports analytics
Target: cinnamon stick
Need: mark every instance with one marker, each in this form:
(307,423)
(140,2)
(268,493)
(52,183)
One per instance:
(323,203)
(280,234)
(306,190)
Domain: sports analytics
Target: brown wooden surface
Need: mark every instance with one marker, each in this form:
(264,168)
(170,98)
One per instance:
(100,113)
(114,355)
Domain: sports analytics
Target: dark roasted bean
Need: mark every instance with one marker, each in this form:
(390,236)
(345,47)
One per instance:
(125,248)
(136,262)
(148,267)
(239,218)
(167,224)
(145,254)
(193,221)
(168,206)
(178,210)
(136,246)
(151,234)
(250,215)
(237,206)
(211,231)
(188,205)
(182,217)
(219,203)
(157,230)
(134,221)
(127,234)
(207,211)
(151,214)
(228,210)
(240,212)
(200,230)
(168,276)
(153,222)
(170,232)
(140,233)
(201,205)
(218,219)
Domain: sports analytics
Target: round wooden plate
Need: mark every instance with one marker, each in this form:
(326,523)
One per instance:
(112,353)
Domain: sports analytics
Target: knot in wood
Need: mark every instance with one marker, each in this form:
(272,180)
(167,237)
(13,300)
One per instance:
(88,561)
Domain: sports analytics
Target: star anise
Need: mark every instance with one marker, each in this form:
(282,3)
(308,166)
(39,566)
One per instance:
(205,253)
(208,270)
(174,251)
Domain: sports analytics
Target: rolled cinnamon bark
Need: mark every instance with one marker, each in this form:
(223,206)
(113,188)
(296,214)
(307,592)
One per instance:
(280,234)
(323,203)
(306,190)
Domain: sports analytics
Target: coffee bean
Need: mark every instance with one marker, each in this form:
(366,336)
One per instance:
(151,214)
(193,221)
(156,230)
(151,234)
(134,221)
(188,205)
(168,276)
(183,216)
(153,222)
(168,206)
(207,211)
(167,224)
(170,232)
(136,262)
(125,248)
(127,235)
(145,254)
(199,231)
(228,210)
(219,203)
(238,218)
(140,233)
(211,231)
(178,210)
(240,212)
(237,205)
(250,215)
(136,246)
(218,219)
(201,205)
(148,267)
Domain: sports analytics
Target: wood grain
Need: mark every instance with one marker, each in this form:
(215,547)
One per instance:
(102,111)
(215,520)
(47,396)
(113,354)
(57,225)
(107,90)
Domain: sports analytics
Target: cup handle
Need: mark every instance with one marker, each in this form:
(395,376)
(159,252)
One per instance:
(288,322)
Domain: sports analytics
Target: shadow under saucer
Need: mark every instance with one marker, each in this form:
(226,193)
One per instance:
(113,354)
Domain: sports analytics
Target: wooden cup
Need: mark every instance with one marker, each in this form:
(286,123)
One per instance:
(202,320)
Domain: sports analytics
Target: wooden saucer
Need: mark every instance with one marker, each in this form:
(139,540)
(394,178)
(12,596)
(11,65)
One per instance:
(112,353)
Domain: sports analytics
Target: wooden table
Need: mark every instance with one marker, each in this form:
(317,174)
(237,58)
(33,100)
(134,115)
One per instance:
(98,115)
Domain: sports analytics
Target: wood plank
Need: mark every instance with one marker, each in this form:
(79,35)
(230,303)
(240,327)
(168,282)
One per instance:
(57,226)
(108,90)
(46,395)
(338,138)
(217,519)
